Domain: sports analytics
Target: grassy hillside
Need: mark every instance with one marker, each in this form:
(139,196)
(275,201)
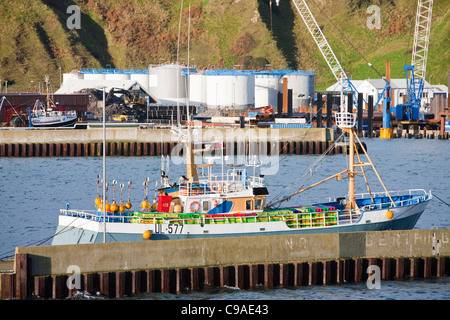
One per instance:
(35,41)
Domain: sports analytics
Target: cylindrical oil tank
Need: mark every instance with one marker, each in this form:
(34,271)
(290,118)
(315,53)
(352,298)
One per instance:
(302,85)
(142,79)
(197,89)
(230,89)
(72,75)
(93,76)
(167,84)
(117,76)
(267,87)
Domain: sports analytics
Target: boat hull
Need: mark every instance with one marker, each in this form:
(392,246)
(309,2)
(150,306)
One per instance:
(74,230)
(54,123)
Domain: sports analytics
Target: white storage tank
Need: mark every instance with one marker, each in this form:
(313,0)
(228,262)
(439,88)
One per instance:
(197,89)
(93,76)
(230,89)
(267,87)
(117,76)
(163,84)
(302,85)
(142,79)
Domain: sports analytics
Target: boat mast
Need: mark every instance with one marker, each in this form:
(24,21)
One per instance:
(351,174)
(48,95)
(104,167)
(345,120)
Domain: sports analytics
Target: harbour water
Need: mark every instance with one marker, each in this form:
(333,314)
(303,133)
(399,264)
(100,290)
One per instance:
(32,190)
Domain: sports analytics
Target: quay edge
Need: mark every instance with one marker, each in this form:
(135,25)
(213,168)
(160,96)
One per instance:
(119,269)
(185,253)
(157,142)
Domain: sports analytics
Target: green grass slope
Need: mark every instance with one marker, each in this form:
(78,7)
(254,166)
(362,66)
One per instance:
(35,40)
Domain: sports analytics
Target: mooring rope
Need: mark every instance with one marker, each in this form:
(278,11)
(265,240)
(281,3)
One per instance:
(441,200)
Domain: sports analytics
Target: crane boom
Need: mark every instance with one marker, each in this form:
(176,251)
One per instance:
(421,37)
(320,39)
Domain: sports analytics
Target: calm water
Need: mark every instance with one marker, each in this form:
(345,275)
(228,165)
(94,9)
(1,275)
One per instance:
(32,190)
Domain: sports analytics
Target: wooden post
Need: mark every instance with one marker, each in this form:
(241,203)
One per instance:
(195,285)
(285,95)
(239,276)
(329,110)
(105,288)
(179,283)
(284,274)
(253,276)
(209,277)
(360,112)
(298,274)
(440,261)
(21,268)
(224,276)
(58,285)
(326,272)
(339,271)
(426,267)
(7,287)
(268,275)
(41,286)
(151,280)
(120,284)
(319,111)
(165,280)
(88,280)
(312,273)
(414,268)
(399,268)
(386,269)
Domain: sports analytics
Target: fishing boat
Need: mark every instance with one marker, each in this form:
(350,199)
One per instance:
(49,115)
(233,203)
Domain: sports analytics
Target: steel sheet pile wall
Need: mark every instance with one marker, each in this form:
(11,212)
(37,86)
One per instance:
(119,269)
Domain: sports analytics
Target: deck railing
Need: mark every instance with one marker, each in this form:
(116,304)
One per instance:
(292,220)
(310,219)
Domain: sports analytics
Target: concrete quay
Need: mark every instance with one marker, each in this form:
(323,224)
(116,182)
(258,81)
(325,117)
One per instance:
(134,141)
(127,268)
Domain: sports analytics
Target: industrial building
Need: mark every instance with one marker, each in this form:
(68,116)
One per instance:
(375,88)
(169,85)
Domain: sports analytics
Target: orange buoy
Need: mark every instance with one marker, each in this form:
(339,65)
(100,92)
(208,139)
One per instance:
(147,234)
(144,204)
(121,208)
(107,206)
(128,205)
(389,214)
(114,207)
(98,201)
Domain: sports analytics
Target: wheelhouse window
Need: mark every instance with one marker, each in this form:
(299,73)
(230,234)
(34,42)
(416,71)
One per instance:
(248,205)
(259,204)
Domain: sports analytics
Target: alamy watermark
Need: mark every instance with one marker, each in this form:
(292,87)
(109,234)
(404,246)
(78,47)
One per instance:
(74,20)
(252,147)
(374,277)
(74,280)
(374,20)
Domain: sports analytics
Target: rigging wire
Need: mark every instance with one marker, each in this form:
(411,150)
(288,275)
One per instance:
(304,135)
(348,40)
(316,164)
